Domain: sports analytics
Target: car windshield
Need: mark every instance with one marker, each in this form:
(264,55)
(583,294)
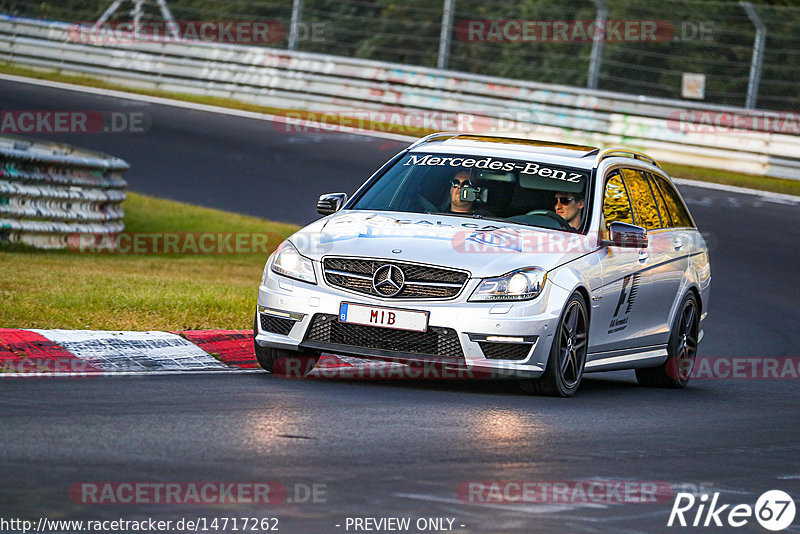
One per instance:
(519,191)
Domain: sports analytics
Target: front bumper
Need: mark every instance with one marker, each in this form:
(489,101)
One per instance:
(534,321)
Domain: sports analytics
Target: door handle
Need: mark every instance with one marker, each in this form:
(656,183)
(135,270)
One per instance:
(677,243)
(643,255)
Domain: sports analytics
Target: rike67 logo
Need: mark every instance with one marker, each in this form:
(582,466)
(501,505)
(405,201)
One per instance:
(774,510)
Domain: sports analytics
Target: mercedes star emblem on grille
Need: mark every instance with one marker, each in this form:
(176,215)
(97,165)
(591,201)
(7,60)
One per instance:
(388,280)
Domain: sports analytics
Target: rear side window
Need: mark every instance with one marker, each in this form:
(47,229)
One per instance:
(644,205)
(666,220)
(677,210)
(616,206)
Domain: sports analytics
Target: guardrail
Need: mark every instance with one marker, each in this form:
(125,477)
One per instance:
(669,130)
(49,191)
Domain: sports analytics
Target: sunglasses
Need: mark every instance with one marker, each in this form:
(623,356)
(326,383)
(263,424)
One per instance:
(565,200)
(455,183)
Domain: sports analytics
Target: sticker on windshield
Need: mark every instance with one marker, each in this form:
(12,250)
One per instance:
(492,164)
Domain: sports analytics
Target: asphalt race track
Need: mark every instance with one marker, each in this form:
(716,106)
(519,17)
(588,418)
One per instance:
(385,448)
(243,165)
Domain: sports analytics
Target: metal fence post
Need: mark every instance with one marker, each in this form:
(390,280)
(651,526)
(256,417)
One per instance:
(597,43)
(758,55)
(137,12)
(297,13)
(444,37)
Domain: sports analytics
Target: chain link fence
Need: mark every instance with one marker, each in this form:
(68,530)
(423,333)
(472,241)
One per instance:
(726,53)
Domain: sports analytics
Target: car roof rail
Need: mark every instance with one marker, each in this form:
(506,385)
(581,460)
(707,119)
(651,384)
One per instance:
(438,136)
(497,138)
(624,153)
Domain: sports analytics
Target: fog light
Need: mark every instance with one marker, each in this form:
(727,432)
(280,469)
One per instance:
(505,339)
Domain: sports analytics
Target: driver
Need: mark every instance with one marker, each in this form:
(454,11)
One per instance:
(570,207)
(459,180)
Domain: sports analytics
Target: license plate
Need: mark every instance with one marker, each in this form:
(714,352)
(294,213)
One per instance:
(383,317)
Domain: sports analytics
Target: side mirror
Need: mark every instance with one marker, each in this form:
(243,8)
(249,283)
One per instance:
(626,236)
(331,203)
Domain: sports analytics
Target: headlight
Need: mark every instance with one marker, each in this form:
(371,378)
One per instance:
(522,284)
(289,262)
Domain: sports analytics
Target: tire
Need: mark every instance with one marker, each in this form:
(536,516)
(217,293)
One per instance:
(564,370)
(676,371)
(294,364)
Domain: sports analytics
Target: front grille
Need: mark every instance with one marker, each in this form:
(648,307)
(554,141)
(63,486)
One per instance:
(505,351)
(421,281)
(437,341)
(276,325)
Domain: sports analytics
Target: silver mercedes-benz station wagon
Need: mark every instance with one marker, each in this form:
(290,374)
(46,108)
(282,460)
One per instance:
(508,257)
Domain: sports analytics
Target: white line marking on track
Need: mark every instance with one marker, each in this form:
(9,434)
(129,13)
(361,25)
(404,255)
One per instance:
(191,105)
(536,509)
(768,196)
(540,509)
(772,197)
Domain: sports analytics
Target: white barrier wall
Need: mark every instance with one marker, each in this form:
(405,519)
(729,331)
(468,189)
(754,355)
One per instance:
(669,130)
(50,191)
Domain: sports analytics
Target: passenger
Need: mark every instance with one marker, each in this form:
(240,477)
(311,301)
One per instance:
(570,207)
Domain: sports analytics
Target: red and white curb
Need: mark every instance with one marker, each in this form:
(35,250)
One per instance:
(87,353)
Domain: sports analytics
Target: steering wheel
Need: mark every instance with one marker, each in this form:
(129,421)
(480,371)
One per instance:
(550,214)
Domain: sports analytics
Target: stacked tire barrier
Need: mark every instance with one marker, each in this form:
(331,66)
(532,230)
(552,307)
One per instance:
(691,133)
(50,191)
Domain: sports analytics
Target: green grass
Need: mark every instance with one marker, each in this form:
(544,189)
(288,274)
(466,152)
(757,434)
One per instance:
(64,289)
(703,174)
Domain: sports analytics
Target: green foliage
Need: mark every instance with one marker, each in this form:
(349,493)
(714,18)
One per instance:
(714,38)
(65,289)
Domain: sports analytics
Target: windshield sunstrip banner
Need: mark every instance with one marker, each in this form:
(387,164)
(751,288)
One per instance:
(492,164)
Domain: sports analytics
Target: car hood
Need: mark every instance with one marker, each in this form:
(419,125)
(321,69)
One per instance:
(483,247)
